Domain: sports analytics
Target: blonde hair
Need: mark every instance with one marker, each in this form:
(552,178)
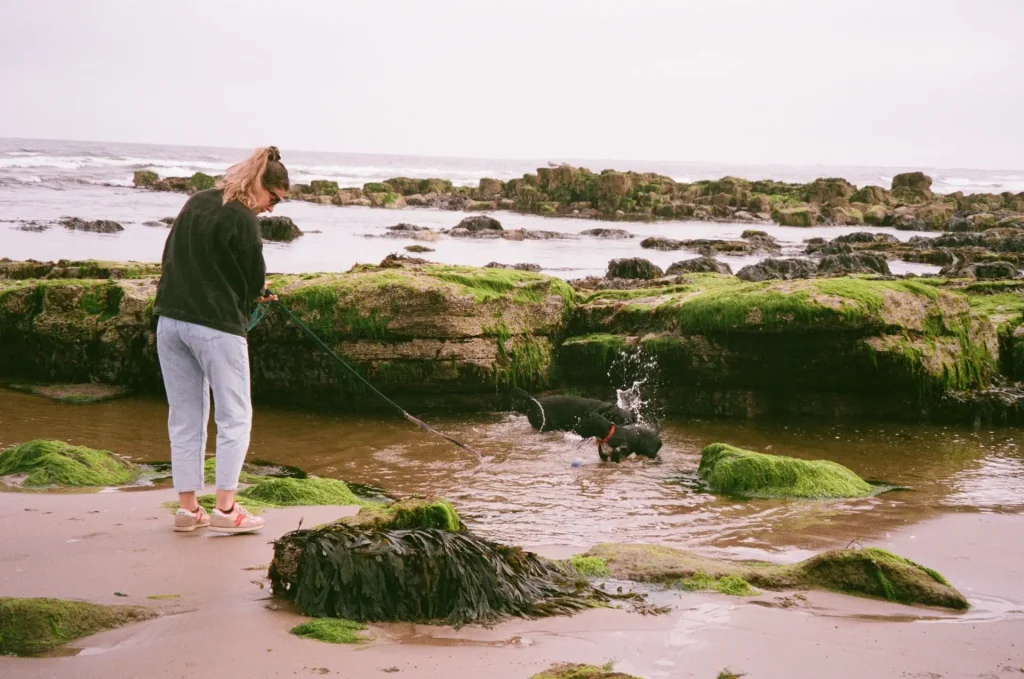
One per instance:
(243,180)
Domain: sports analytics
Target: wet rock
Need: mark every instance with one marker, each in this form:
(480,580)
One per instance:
(323,187)
(870,195)
(634,268)
(156,223)
(857,262)
(659,243)
(168,220)
(912,181)
(517,267)
(797,216)
(981,270)
(824,190)
(867,237)
(785,269)
(478,223)
(490,187)
(412,232)
(98,226)
(418,248)
(531,234)
(145,178)
(34,226)
(31,627)
(614,234)
(698,265)
(281,229)
(734,471)
(46,463)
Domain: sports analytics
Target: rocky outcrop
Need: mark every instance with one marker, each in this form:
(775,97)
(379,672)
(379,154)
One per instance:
(633,268)
(98,226)
(775,269)
(458,337)
(699,265)
(280,229)
(567,191)
(856,262)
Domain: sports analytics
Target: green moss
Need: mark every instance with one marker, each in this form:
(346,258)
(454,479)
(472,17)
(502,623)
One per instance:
(376,187)
(201,181)
(523,362)
(285,492)
(331,630)
(589,566)
(870,572)
(734,471)
(323,187)
(408,514)
(732,585)
(163,597)
(54,463)
(145,178)
(487,284)
(572,671)
(33,626)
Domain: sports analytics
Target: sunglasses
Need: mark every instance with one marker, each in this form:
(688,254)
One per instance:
(274,198)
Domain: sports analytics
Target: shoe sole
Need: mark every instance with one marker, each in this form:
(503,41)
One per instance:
(188,529)
(234,530)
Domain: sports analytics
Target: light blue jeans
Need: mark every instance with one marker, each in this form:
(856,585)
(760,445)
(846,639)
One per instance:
(194,358)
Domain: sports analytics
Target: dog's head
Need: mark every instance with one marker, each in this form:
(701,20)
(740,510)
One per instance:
(626,439)
(593,426)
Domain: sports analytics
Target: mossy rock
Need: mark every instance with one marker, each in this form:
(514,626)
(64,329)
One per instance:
(47,462)
(201,181)
(589,566)
(279,228)
(331,630)
(870,572)
(271,493)
(408,514)
(145,178)
(733,585)
(323,187)
(34,626)
(574,671)
(734,471)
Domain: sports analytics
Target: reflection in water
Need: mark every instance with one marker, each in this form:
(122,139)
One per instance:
(527,491)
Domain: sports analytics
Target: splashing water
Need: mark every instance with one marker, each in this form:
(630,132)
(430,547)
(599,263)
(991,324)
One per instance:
(635,374)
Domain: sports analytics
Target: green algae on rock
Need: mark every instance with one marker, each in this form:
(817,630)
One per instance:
(589,566)
(870,572)
(732,585)
(271,492)
(47,462)
(34,626)
(574,671)
(408,514)
(331,630)
(734,471)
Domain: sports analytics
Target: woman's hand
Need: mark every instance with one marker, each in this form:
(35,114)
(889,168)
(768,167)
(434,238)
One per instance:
(266,296)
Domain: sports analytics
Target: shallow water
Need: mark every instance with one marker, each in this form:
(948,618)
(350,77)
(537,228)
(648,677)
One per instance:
(527,491)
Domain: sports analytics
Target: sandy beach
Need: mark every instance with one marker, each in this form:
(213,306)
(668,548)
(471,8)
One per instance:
(93,546)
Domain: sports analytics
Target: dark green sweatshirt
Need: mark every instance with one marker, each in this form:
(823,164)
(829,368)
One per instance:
(213,268)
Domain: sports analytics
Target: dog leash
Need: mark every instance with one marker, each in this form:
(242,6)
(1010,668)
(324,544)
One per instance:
(260,312)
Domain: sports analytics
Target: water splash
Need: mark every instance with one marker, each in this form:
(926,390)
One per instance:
(635,373)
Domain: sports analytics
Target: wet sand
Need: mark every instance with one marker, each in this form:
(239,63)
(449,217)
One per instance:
(90,546)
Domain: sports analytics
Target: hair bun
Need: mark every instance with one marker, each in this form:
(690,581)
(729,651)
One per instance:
(273,154)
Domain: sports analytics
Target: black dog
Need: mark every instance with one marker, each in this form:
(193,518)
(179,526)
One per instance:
(617,442)
(564,413)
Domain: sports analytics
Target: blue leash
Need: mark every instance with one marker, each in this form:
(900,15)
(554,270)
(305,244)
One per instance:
(260,312)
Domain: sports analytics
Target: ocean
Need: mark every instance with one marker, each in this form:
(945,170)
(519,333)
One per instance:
(42,180)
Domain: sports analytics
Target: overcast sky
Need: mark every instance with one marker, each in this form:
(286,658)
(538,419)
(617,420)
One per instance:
(897,82)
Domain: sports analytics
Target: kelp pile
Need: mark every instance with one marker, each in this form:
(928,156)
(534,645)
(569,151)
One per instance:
(367,569)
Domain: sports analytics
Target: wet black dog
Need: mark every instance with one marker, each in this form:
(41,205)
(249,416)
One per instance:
(564,413)
(617,442)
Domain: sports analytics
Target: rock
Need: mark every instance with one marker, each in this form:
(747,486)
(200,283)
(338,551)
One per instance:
(869,571)
(659,243)
(478,223)
(743,216)
(168,220)
(47,463)
(867,237)
(982,270)
(98,226)
(833,248)
(876,215)
(785,269)
(917,182)
(418,248)
(871,195)
(490,187)
(480,205)
(575,671)
(824,190)
(531,234)
(201,181)
(734,471)
(614,234)
(612,188)
(388,200)
(857,262)
(279,228)
(797,216)
(759,204)
(31,627)
(698,265)
(156,223)
(91,392)
(634,267)
(753,233)
(145,178)
(323,187)
(34,226)
(404,227)
(517,267)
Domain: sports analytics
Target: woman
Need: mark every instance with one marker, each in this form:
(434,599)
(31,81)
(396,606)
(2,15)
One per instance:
(212,272)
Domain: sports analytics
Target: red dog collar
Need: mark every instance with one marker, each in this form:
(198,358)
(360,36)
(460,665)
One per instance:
(607,438)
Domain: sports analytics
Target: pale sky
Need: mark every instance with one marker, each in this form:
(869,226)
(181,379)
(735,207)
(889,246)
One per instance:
(937,83)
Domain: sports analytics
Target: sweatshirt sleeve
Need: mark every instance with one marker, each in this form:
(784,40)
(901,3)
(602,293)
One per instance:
(253,266)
